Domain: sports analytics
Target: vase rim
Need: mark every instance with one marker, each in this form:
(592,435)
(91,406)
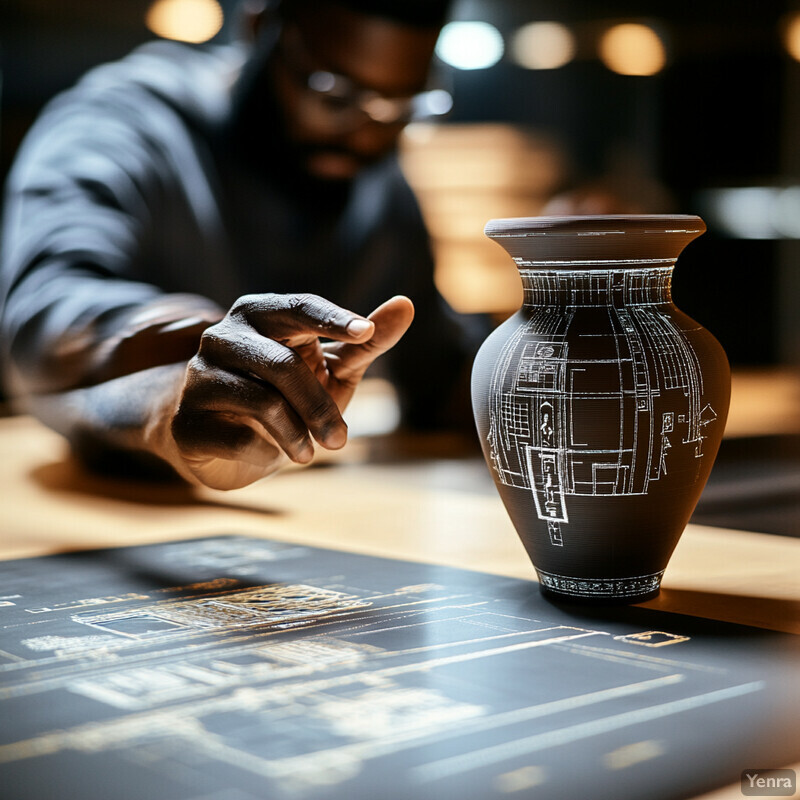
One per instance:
(595,225)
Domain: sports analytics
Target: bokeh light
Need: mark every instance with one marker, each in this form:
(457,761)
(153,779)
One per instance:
(791,36)
(185,20)
(632,48)
(543,45)
(470,45)
(434,103)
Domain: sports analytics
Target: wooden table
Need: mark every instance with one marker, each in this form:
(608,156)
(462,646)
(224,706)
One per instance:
(419,510)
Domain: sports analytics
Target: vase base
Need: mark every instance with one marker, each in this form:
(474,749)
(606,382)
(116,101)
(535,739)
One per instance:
(600,591)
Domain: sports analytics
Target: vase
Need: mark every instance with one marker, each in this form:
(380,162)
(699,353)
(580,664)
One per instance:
(599,405)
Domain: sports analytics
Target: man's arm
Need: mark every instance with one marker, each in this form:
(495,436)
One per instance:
(261,389)
(102,198)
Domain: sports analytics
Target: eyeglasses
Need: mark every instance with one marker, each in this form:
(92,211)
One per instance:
(342,96)
(342,101)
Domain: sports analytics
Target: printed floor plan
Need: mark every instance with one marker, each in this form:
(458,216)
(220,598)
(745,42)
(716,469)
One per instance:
(234,668)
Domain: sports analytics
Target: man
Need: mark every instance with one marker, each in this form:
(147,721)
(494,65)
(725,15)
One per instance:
(186,226)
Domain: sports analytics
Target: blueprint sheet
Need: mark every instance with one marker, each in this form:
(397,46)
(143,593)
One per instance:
(235,668)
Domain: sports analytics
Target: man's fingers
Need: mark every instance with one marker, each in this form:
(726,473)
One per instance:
(213,397)
(236,351)
(262,385)
(296,319)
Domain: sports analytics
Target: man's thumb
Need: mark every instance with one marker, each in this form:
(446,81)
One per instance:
(348,362)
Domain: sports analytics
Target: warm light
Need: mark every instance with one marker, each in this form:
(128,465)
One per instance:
(185,20)
(632,49)
(470,45)
(791,36)
(543,45)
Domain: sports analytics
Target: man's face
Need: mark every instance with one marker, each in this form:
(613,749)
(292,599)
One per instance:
(343,82)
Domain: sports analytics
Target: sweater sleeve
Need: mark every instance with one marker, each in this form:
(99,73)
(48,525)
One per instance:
(77,239)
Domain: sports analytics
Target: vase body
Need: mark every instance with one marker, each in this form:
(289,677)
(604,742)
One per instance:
(599,405)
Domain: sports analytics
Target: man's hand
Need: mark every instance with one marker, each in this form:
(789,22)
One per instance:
(263,387)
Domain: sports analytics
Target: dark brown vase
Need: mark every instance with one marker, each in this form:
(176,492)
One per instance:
(599,405)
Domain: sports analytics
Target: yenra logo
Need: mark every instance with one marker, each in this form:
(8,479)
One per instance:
(769,783)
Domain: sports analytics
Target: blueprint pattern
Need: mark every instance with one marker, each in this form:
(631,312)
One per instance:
(234,668)
(598,392)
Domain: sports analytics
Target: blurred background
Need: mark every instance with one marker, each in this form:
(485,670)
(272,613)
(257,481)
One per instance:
(619,106)
(646,106)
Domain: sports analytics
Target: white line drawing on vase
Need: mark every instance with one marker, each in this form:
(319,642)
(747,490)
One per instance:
(595,413)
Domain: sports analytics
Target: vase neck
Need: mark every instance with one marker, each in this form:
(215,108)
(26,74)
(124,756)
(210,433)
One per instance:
(597,287)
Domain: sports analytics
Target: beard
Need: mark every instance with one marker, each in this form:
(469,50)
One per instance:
(257,134)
